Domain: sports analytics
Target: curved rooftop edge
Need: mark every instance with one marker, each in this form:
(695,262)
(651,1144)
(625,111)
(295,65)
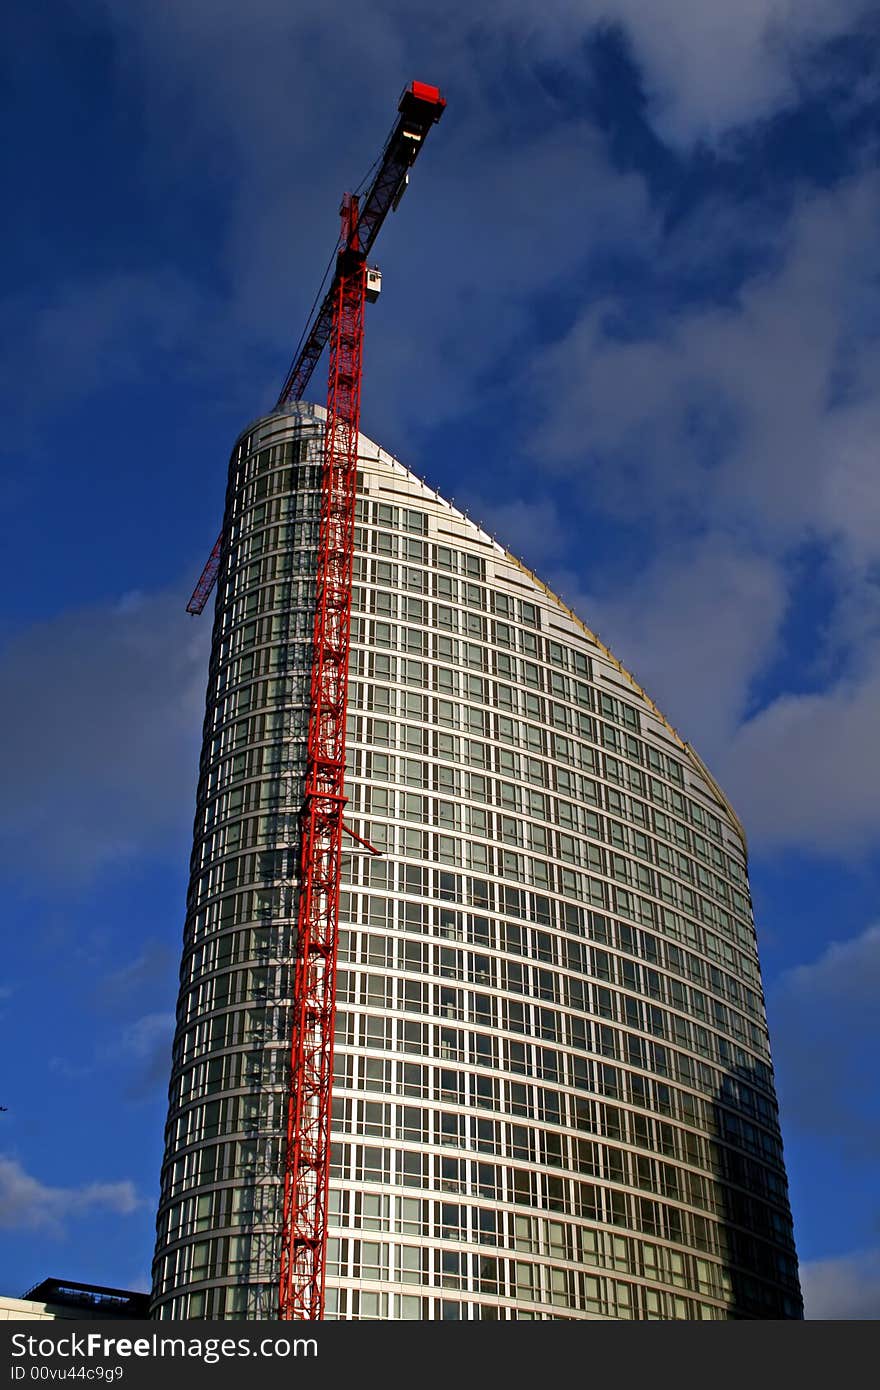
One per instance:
(686,747)
(366,447)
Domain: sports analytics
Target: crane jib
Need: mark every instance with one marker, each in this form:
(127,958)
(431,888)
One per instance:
(420,107)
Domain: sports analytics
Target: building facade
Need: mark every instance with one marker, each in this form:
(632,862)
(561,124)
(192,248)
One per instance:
(553,1093)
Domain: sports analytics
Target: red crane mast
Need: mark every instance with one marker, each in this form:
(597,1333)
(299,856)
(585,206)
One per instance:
(339,320)
(307,1152)
(307,1161)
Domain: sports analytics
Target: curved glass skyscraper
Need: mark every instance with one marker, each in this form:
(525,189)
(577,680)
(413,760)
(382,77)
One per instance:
(553,1093)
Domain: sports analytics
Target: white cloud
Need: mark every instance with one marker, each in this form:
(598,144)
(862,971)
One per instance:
(114,327)
(806,769)
(729,415)
(139,1055)
(474,288)
(824,1028)
(146,1043)
(711,66)
(753,425)
(722,422)
(141,1037)
(846,974)
(288,145)
(26,1203)
(153,968)
(847,1287)
(708,65)
(504,209)
(101,710)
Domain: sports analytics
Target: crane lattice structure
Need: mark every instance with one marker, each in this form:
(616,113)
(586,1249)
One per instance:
(339,321)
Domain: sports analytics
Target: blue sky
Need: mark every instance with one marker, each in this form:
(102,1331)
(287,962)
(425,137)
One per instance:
(630,320)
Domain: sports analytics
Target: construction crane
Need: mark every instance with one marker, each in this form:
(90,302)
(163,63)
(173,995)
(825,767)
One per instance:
(339,321)
(419,108)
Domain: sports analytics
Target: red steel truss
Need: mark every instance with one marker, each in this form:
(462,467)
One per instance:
(307,1165)
(207,579)
(339,321)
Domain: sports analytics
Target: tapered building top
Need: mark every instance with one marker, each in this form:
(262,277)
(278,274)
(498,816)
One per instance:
(553,1093)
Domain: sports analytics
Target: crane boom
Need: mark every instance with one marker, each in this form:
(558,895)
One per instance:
(207,579)
(419,108)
